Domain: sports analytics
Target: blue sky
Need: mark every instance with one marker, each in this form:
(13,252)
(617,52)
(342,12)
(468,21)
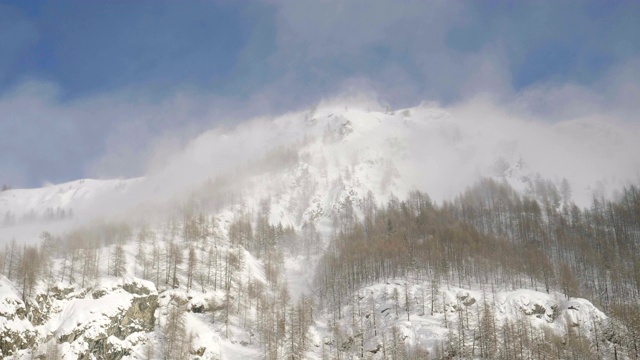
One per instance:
(93,88)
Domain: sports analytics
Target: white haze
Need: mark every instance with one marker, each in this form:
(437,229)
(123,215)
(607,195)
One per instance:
(596,154)
(447,148)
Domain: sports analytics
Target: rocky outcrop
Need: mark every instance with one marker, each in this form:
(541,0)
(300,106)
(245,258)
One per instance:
(105,324)
(16,331)
(13,340)
(139,317)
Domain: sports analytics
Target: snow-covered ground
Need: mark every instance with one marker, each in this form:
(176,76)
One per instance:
(342,154)
(435,315)
(439,151)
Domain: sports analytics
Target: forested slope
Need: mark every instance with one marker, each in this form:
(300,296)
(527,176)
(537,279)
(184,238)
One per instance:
(354,236)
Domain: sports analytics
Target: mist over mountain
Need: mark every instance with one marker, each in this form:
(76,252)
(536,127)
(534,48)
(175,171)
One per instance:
(278,202)
(363,179)
(441,151)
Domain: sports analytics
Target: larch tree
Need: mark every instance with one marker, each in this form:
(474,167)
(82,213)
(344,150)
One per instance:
(118,261)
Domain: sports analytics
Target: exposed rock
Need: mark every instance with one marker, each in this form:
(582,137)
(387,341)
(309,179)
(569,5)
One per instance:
(60,294)
(375,351)
(198,352)
(105,348)
(465,298)
(536,309)
(99,293)
(346,128)
(12,340)
(39,311)
(197,308)
(101,324)
(139,317)
(469,301)
(136,288)
(16,331)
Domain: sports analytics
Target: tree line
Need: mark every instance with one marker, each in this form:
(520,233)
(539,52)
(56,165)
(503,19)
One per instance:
(494,237)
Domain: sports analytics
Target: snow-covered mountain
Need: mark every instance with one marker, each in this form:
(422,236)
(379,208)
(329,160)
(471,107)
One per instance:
(305,167)
(440,151)
(68,196)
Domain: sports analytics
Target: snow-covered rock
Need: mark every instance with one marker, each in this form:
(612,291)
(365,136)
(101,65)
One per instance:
(437,315)
(16,331)
(103,323)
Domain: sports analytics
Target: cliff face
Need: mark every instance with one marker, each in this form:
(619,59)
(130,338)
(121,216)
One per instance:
(103,322)
(16,331)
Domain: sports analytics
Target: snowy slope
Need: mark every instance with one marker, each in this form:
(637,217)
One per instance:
(73,195)
(342,154)
(428,148)
(374,311)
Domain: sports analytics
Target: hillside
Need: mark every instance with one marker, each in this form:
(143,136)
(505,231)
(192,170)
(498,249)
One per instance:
(287,237)
(425,148)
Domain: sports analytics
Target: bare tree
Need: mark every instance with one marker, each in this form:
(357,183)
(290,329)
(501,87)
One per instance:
(191,266)
(175,255)
(175,334)
(11,253)
(28,270)
(118,261)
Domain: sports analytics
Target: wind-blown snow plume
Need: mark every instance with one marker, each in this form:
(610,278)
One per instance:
(438,150)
